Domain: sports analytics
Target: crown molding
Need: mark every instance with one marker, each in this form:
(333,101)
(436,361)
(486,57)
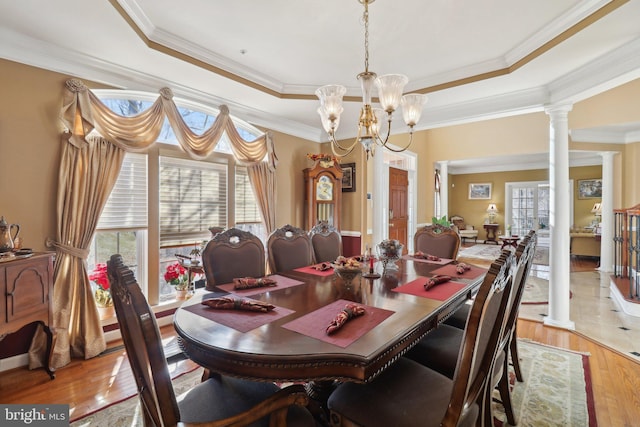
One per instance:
(605,72)
(605,136)
(39,54)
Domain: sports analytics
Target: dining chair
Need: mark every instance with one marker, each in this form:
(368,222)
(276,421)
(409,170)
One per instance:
(326,241)
(438,240)
(459,318)
(410,394)
(219,401)
(438,349)
(231,254)
(289,248)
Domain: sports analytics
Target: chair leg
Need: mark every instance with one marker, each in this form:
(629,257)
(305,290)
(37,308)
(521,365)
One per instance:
(505,394)
(515,359)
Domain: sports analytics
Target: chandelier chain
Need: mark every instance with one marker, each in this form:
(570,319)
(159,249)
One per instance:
(365,17)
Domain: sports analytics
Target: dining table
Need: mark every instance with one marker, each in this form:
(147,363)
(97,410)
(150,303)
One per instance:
(290,343)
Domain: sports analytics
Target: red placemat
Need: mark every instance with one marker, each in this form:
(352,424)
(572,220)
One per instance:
(240,320)
(310,270)
(450,270)
(442,261)
(440,292)
(315,323)
(281,283)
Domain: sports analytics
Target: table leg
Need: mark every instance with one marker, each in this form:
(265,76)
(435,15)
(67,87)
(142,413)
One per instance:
(319,392)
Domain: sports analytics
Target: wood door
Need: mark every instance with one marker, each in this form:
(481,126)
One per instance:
(398,205)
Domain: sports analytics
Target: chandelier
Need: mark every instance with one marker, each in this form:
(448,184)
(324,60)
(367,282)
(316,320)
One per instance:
(390,89)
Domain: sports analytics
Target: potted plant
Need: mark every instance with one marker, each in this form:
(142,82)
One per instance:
(176,275)
(102,294)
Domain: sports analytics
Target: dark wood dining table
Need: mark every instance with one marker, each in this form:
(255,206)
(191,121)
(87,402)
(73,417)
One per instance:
(272,352)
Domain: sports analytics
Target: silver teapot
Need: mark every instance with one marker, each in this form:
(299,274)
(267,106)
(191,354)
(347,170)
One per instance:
(6,237)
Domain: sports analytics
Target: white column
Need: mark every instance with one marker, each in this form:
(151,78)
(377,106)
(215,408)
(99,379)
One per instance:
(444,189)
(606,238)
(559,221)
(380,209)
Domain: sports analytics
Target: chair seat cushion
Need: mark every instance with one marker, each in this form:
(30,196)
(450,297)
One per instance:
(219,398)
(407,394)
(439,350)
(459,317)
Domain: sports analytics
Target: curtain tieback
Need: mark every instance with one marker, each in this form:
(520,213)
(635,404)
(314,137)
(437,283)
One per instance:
(67,249)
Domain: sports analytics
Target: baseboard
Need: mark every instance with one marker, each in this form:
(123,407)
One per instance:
(22,360)
(13,362)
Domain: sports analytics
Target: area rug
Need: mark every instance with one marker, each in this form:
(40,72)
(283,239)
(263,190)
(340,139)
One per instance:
(536,291)
(556,391)
(491,252)
(128,412)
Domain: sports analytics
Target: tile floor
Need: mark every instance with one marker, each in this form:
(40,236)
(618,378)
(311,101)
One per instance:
(593,311)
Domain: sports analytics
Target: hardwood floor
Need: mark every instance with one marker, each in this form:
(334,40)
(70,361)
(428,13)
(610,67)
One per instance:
(87,385)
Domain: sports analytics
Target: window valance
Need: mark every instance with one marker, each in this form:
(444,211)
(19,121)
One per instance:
(82,111)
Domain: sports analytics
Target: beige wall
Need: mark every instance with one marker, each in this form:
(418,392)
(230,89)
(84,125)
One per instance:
(30,149)
(30,152)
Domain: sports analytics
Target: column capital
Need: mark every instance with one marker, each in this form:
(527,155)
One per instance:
(558,109)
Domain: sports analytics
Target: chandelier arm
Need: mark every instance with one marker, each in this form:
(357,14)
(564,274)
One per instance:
(334,144)
(401,149)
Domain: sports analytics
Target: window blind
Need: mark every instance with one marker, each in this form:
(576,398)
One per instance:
(193,197)
(126,207)
(246,205)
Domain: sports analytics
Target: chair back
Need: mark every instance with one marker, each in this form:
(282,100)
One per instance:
(438,240)
(524,255)
(289,248)
(143,343)
(481,337)
(230,254)
(326,242)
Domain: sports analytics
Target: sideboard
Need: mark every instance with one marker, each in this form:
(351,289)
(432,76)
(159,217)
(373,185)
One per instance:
(26,296)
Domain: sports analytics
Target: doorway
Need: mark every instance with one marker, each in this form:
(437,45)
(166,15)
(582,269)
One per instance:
(399,205)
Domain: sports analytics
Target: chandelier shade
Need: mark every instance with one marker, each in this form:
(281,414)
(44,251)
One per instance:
(390,89)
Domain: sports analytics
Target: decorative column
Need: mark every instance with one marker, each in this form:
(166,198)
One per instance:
(559,220)
(379,205)
(444,189)
(606,237)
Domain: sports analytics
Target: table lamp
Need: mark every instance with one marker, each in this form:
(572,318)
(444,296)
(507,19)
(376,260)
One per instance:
(597,210)
(492,210)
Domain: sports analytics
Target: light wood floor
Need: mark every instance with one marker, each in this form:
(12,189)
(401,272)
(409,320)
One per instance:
(87,385)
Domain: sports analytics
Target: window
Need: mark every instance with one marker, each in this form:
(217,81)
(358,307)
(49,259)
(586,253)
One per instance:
(191,197)
(122,228)
(247,211)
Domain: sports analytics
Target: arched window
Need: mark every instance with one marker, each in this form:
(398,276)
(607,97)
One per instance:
(192,196)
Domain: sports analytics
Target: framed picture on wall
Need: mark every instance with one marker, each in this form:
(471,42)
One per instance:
(479,191)
(348,177)
(589,189)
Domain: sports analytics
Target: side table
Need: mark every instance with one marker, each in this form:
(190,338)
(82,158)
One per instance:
(491,233)
(509,241)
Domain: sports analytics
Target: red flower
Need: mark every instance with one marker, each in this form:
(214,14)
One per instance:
(99,275)
(174,274)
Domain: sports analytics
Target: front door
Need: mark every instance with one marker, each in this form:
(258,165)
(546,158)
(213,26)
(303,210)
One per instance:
(398,205)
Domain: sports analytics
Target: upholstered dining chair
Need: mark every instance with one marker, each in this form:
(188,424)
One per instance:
(438,240)
(326,241)
(410,394)
(438,349)
(217,401)
(230,254)
(288,248)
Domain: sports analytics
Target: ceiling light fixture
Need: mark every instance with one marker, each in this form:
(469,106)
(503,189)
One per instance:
(390,89)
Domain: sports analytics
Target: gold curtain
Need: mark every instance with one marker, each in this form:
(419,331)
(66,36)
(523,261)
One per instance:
(263,181)
(88,171)
(87,175)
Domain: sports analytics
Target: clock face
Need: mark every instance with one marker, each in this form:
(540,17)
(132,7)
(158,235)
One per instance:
(324,188)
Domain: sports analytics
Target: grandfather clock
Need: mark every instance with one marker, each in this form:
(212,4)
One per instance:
(323,193)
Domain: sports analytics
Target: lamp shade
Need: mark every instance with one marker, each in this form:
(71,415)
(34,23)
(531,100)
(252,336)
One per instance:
(492,208)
